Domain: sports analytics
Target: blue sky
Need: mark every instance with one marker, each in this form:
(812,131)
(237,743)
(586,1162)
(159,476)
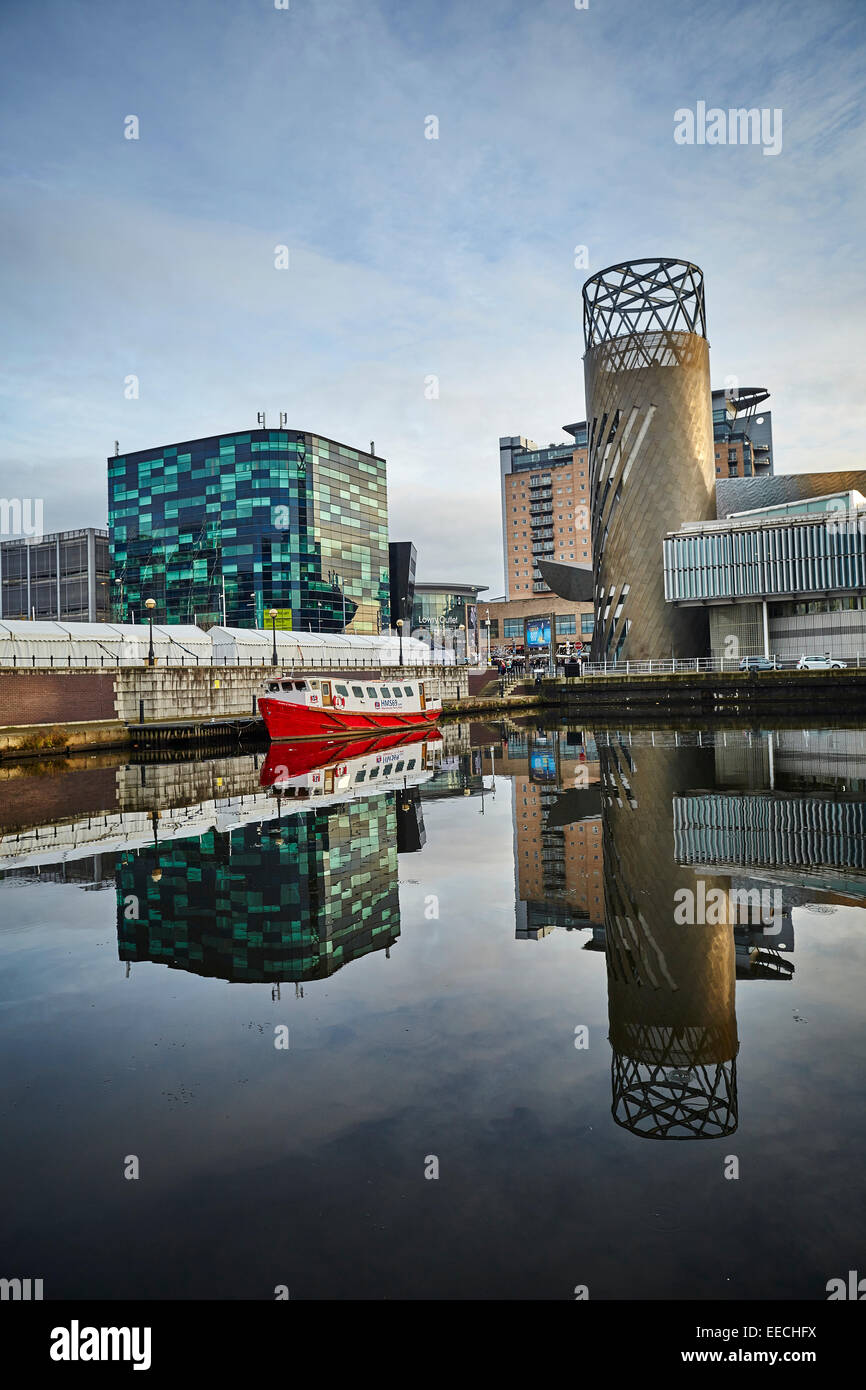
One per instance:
(409,257)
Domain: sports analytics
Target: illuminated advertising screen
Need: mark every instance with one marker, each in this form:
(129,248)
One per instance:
(538,632)
(542,767)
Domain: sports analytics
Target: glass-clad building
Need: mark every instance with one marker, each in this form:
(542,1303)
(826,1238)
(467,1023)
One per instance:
(442,608)
(797,548)
(403,558)
(784,581)
(225,528)
(56,577)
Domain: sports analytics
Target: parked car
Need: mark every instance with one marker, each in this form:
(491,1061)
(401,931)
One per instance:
(759,663)
(820,663)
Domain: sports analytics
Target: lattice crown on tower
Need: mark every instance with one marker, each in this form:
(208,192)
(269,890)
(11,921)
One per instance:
(655,295)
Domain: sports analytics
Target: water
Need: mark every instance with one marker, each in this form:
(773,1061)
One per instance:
(485,964)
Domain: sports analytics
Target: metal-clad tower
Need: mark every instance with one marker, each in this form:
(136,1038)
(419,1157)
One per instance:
(651,456)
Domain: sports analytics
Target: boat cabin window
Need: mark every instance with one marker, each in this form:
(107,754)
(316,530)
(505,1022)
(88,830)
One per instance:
(371,691)
(273,685)
(410,764)
(386,694)
(287,685)
(397,692)
(340,690)
(374,772)
(399,767)
(357,692)
(299,685)
(359,776)
(407,690)
(314,685)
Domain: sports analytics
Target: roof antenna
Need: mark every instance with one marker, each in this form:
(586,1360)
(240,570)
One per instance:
(261,419)
(372,446)
(116,448)
(283,418)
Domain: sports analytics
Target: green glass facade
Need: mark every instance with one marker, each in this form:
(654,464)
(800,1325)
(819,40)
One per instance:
(293,900)
(267,518)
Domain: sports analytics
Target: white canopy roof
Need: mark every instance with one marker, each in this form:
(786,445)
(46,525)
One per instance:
(314,648)
(27,643)
(44,643)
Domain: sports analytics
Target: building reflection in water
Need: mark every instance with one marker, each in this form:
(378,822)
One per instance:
(285,870)
(611,830)
(294,897)
(772,820)
(671,986)
(291,900)
(558,857)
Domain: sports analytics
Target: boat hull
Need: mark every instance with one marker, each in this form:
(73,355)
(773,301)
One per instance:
(285,720)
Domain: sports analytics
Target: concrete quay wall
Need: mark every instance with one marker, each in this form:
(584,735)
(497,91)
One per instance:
(51,710)
(711,692)
(144,693)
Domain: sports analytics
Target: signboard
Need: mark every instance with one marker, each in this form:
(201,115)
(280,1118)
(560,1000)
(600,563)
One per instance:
(542,767)
(283,620)
(538,632)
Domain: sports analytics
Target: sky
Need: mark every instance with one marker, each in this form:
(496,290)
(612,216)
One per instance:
(409,258)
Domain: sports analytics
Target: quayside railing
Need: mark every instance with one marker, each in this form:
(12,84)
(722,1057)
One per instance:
(57,661)
(679,666)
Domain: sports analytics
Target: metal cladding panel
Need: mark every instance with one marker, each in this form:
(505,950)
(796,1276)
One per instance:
(568,579)
(671,983)
(652,468)
(749,494)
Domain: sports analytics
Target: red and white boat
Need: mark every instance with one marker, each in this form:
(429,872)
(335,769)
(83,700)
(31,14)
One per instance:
(344,706)
(342,768)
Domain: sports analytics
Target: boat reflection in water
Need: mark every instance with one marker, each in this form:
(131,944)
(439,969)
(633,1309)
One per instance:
(340,767)
(297,893)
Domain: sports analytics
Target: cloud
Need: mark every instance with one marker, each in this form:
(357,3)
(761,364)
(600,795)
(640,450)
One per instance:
(409,257)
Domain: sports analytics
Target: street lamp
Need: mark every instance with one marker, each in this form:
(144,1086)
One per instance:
(319,606)
(150,604)
(400,635)
(156,871)
(272,613)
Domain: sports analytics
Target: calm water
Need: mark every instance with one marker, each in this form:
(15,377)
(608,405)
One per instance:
(514,954)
